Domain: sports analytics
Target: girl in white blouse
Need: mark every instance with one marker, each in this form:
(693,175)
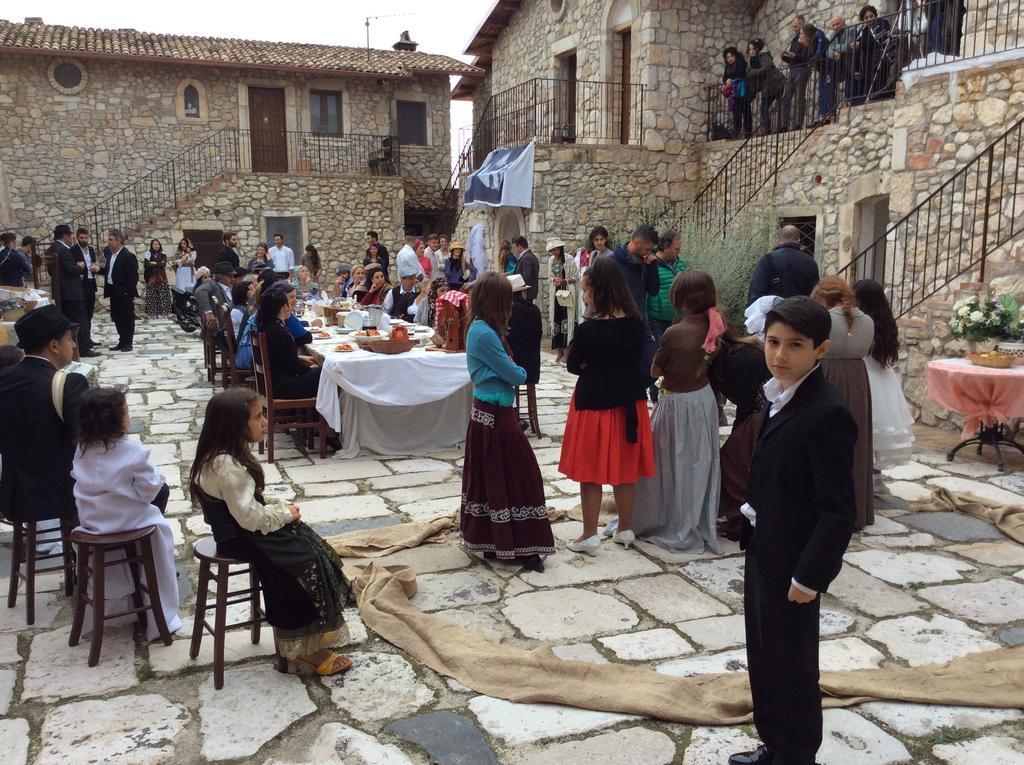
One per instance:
(303,585)
(118,488)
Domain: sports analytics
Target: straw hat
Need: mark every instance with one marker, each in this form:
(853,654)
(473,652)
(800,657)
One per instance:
(554,242)
(457,245)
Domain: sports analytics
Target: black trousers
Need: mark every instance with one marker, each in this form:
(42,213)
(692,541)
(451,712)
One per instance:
(74,311)
(122,313)
(85,331)
(782,659)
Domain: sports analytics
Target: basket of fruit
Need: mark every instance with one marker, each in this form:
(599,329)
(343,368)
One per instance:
(992,359)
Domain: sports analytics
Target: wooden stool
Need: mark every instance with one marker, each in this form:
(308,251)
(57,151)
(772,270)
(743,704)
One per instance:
(205,551)
(531,409)
(26,540)
(138,548)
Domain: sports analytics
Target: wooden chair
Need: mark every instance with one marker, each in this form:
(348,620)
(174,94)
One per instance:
(284,413)
(24,550)
(205,551)
(213,353)
(232,375)
(138,548)
(531,409)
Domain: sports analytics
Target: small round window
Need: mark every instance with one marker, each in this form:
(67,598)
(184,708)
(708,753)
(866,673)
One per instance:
(68,76)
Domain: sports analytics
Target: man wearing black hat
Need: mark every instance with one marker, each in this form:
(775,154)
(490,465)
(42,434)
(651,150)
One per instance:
(70,272)
(211,294)
(121,287)
(39,412)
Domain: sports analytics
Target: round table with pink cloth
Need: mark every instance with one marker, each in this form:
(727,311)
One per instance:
(986,396)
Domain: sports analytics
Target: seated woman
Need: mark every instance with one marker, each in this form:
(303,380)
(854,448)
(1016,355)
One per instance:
(304,283)
(373,255)
(458,272)
(241,294)
(202,276)
(378,288)
(426,302)
(342,275)
(301,335)
(356,285)
(303,585)
(118,488)
(293,376)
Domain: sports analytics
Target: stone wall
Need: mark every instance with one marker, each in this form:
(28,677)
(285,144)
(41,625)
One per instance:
(63,153)
(337,213)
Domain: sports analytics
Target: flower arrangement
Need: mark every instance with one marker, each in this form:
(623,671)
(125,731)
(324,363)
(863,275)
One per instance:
(984,318)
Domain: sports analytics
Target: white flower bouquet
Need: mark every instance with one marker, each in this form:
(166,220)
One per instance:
(983,318)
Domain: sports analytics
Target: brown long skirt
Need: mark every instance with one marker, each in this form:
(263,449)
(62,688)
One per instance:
(850,376)
(503,508)
(736,455)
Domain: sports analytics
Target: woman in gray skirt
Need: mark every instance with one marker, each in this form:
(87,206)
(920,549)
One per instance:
(678,507)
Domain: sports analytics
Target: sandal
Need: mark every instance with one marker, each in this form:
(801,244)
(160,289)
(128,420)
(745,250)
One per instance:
(334,664)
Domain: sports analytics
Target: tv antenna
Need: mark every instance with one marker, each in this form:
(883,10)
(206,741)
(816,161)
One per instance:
(375,18)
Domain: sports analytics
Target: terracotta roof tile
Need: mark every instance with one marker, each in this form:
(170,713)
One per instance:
(249,53)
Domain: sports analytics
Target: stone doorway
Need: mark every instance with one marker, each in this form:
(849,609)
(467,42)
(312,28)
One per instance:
(206,242)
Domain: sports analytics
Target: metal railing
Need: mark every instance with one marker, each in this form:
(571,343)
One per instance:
(863,62)
(560,111)
(951,232)
(238,150)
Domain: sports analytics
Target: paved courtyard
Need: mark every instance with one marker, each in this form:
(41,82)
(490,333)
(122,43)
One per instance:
(917,588)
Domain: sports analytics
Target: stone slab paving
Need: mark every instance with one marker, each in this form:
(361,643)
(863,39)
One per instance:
(917,587)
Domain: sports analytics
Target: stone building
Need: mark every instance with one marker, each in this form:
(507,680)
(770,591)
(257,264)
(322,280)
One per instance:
(893,188)
(166,135)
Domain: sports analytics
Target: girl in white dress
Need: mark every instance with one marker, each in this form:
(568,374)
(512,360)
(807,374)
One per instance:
(118,488)
(892,423)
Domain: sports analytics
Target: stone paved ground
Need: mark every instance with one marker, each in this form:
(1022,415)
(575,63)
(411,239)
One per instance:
(917,588)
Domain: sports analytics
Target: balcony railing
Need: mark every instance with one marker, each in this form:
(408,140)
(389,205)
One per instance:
(238,150)
(560,111)
(872,55)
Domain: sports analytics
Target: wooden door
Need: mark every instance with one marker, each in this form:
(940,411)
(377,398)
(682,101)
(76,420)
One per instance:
(625,105)
(267,130)
(565,99)
(206,243)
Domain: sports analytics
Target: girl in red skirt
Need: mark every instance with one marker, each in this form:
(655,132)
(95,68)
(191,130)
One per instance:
(607,436)
(503,512)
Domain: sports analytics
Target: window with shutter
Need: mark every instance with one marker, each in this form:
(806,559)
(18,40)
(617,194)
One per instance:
(411,117)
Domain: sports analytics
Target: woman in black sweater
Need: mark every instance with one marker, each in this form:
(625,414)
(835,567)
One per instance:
(607,436)
(293,376)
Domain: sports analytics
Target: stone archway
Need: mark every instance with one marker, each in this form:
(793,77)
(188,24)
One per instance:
(508,224)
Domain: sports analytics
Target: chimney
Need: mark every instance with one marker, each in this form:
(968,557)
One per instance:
(33,19)
(405,43)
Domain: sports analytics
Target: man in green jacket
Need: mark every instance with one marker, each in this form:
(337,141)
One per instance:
(660,313)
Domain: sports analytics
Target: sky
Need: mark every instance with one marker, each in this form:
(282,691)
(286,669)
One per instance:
(439,26)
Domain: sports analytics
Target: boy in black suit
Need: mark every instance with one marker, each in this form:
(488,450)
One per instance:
(799,518)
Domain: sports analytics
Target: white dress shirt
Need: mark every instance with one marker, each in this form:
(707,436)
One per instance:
(88,261)
(389,301)
(774,392)
(407,263)
(282,257)
(110,265)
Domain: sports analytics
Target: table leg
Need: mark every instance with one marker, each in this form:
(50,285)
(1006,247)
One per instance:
(991,435)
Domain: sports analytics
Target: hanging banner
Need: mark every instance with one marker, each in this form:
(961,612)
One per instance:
(505,179)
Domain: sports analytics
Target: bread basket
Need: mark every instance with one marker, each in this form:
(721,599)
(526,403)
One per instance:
(993,360)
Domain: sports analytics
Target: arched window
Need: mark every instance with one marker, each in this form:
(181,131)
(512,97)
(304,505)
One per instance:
(191,101)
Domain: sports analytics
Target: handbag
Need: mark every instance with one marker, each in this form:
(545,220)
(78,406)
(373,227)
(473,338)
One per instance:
(565,298)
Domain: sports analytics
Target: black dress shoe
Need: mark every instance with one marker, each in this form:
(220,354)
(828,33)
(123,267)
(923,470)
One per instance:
(88,353)
(116,347)
(760,756)
(125,348)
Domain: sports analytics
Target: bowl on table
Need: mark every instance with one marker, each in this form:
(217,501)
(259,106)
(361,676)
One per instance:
(992,359)
(386,346)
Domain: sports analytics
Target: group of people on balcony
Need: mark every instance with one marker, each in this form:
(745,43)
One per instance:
(853,64)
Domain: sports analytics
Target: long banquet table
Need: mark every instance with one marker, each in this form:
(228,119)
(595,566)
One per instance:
(410,403)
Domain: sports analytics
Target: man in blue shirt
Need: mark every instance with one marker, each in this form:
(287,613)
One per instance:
(638,264)
(14,266)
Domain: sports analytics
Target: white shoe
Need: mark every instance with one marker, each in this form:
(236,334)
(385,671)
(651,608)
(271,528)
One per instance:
(607,533)
(624,538)
(590,545)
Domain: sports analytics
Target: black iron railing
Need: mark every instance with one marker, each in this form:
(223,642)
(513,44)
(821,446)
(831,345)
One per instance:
(863,61)
(238,150)
(951,232)
(560,111)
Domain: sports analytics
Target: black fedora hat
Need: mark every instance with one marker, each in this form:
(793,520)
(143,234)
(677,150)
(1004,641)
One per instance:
(223,268)
(40,326)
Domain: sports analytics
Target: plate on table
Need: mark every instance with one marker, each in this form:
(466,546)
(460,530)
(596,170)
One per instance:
(323,336)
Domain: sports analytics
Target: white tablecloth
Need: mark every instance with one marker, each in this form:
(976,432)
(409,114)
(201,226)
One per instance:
(410,403)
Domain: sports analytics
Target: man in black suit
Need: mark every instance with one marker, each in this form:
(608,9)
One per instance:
(86,257)
(229,252)
(798,520)
(69,272)
(36,440)
(14,266)
(785,271)
(527,266)
(121,280)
